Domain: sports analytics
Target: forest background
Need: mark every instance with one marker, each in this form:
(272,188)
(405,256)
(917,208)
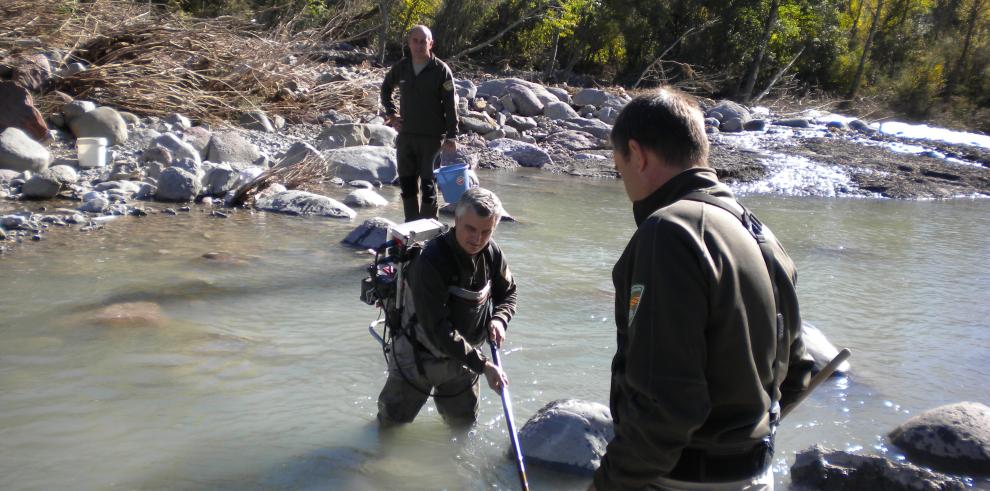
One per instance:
(922,60)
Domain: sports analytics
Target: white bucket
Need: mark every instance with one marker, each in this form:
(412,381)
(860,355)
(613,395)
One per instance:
(92,152)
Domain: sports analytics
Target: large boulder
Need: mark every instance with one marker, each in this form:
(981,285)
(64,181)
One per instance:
(298,152)
(304,203)
(256,120)
(598,98)
(526,154)
(20,153)
(575,140)
(521,123)
(33,72)
(953,438)
(370,234)
(478,124)
(367,162)
(527,103)
(199,138)
(176,184)
(380,135)
(726,110)
(102,122)
(500,87)
(825,469)
(343,135)
(820,348)
(568,435)
(49,182)
(561,94)
(42,185)
(593,126)
(219,179)
(19,111)
(230,146)
(365,198)
(465,88)
(178,148)
(559,110)
(73,109)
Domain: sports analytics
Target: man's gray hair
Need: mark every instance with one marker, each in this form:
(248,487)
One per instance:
(483,202)
(423,29)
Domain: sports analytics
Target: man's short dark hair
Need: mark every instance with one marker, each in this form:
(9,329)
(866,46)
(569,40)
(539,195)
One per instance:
(667,122)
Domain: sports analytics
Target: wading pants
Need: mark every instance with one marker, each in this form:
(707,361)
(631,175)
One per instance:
(457,388)
(762,482)
(415,154)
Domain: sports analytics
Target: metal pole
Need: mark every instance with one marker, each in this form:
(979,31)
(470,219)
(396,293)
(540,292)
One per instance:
(507,408)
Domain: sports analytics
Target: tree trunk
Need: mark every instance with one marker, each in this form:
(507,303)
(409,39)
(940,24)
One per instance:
(548,70)
(854,86)
(754,66)
(957,71)
(385,7)
(855,24)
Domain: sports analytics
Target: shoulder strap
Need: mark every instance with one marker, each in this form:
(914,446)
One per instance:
(755,227)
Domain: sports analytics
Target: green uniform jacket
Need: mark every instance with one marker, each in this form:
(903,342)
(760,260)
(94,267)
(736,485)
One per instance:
(453,328)
(426,101)
(695,319)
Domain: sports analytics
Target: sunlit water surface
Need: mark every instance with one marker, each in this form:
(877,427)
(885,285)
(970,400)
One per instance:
(259,372)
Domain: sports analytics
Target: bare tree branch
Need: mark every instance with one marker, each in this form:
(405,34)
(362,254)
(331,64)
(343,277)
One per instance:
(777,76)
(532,14)
(659,59)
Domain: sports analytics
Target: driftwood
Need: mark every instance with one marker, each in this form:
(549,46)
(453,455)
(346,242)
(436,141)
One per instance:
(307,171)
(152,63)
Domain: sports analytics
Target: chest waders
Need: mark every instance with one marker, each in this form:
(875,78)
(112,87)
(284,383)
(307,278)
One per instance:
(400,316)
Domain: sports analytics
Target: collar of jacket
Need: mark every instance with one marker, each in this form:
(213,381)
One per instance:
(689,180)
(429,63)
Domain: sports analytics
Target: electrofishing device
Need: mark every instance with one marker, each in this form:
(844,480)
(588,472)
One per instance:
(384,286)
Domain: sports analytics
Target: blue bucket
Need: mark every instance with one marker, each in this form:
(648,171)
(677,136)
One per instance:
(453,180)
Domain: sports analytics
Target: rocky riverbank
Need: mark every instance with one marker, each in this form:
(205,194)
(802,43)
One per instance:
(259,160)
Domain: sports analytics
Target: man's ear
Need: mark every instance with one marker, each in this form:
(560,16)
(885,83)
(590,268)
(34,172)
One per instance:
(637,156)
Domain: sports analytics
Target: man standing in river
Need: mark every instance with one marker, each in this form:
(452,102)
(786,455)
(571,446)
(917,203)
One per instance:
(463,294)
(708,329)
(427,120)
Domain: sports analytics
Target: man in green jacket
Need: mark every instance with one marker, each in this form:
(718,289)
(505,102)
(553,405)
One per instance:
(427,120)
(697,377)
(463,294)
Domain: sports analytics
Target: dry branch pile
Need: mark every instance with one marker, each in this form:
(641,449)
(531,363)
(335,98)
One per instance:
(155,63)
(296,176)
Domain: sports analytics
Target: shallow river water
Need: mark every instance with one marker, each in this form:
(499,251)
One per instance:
(258,371)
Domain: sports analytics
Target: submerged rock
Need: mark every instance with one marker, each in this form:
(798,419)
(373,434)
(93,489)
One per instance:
(365,198)
(953,438)
(304,203)
(568,435)
(819,468)
(130,314)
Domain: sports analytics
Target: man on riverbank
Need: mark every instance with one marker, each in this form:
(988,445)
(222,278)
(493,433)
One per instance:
(426,122)
(697,377)
(463,294)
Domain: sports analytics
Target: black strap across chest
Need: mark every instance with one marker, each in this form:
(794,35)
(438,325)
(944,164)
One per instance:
(755,227)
